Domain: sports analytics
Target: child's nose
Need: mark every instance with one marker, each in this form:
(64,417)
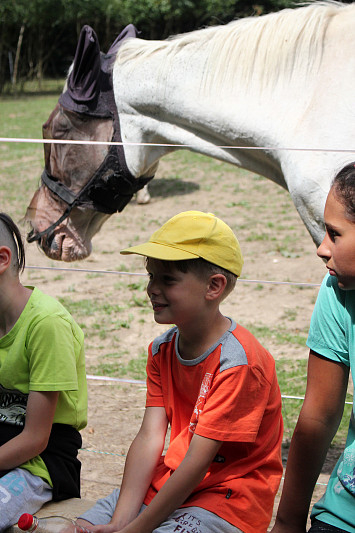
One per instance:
(323,250)
(152,287)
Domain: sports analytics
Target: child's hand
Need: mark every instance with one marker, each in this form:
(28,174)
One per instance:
(106,528)
(84,525)
(103,528)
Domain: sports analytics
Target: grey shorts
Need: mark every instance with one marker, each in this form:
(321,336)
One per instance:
(184,520)
(21,492)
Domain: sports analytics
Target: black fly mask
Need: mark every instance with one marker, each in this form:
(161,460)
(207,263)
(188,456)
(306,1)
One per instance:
(90,92)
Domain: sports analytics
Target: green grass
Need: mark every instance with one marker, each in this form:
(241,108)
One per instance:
(292,377)
(30,88)
(280,335)
(22,163)
(104,320)
(119,365)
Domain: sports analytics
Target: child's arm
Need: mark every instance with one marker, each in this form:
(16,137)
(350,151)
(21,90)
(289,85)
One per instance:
(178,487)
(34,437)
(317,424)
(142,458)
(174,492)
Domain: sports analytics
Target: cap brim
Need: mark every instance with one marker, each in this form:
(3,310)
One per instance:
(159,251)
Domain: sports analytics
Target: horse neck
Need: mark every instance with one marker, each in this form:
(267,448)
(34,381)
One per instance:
(148,138)
(185,103)
(179,112)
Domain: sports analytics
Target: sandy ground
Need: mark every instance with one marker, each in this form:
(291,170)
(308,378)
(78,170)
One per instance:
(276,247)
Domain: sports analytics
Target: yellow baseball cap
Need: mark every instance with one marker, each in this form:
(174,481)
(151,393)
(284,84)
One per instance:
(190,235)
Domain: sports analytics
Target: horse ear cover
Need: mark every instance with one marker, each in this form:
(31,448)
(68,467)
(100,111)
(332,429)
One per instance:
(89,85)
(83,88)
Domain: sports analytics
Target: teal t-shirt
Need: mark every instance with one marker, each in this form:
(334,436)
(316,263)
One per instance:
(332,335)
(44,351)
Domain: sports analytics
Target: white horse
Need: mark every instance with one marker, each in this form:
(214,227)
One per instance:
(283,82)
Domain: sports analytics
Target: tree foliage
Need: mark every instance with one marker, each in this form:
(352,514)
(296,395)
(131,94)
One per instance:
(39,37)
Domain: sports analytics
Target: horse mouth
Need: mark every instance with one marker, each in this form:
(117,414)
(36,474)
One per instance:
(62,245)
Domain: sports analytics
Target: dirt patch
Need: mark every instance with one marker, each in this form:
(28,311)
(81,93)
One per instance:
(114,312)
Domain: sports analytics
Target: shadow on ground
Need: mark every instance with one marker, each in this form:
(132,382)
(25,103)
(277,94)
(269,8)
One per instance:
(165,187)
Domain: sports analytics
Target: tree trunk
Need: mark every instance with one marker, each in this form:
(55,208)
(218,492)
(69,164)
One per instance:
(17,56)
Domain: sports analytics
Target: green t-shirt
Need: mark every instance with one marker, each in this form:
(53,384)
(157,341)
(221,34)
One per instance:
(332,335)
(44,351)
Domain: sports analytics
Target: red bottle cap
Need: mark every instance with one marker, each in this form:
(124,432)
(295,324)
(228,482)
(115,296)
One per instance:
(25,521)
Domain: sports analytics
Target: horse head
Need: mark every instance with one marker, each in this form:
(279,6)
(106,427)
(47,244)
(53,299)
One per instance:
(72,165)
(82,184)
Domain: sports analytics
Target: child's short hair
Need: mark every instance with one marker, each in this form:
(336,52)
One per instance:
(202,269)
(10,236)
(191,235)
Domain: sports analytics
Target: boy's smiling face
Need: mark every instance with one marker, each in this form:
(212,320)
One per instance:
(176,297)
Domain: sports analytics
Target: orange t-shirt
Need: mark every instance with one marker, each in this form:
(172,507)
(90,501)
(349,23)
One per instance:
(229,394)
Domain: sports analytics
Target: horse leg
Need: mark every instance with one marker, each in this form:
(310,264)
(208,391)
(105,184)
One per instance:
(143,196)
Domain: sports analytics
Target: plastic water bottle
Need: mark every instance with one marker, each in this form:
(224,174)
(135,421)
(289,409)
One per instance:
(49,524)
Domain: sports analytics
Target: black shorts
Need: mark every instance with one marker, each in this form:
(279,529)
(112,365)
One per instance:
(322,527)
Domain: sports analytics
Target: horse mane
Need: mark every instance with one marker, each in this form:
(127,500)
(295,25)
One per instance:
(257,51)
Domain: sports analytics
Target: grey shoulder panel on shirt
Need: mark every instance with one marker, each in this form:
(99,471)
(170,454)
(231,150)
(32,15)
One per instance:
(162,339)
(232,353)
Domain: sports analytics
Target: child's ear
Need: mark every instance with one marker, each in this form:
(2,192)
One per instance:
(5,258)
(216,285)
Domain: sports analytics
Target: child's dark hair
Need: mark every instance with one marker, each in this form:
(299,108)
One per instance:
(15,234)
(344,187)
(203,268)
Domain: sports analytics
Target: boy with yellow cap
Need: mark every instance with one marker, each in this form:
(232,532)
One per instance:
(214,384)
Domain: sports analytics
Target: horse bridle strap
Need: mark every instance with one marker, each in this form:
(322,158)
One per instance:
(36,236)
(58,188)
(109,191)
